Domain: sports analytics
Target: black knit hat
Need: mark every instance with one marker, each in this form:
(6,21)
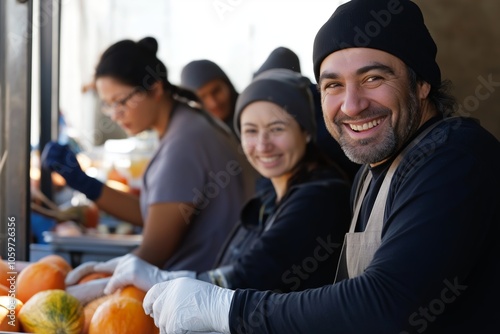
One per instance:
(133,63)
(199,72)
(285,88)
(280,57)
(394,26)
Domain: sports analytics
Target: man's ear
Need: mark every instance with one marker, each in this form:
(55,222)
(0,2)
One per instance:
(423,89)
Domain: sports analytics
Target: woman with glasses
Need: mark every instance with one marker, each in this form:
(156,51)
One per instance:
(195,184)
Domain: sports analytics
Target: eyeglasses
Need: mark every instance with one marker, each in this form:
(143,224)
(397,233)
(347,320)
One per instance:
(117,107)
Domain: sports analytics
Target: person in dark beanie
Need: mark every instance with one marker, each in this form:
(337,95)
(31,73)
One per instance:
(308,205)
(282,57)
(195,184)
(212,87)
(421,255)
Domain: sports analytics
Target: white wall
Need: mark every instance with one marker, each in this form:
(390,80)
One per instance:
(236,34)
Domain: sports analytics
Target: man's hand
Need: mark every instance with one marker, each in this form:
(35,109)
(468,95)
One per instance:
(185,304)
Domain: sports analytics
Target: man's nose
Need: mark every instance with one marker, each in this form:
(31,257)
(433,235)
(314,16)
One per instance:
(354,101)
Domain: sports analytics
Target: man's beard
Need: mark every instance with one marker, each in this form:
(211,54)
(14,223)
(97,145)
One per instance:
(378,149)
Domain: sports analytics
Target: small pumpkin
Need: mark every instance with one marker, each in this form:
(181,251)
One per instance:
(58,261)
(39,276)
(121,315)
(93,276)
(4,291)
(86,215)
(4,269)
(52,311)
(9,310)
(132,292)
(89,310)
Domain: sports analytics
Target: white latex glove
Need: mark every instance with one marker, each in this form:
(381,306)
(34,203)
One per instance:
(185,304)
(90,267)
(88,291)
(132,270)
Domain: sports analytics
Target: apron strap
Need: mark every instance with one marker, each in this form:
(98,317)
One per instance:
(376,219)
(361,189)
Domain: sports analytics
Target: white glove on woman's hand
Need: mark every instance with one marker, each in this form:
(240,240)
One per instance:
(90,267)
(132,270)
(88,291)
(185,304)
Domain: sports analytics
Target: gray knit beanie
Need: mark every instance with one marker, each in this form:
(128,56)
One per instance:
(285,88)
(394,26)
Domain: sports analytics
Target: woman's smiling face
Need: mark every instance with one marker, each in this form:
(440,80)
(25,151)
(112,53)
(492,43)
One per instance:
(272,140)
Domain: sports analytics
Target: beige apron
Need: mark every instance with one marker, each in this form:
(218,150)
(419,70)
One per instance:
(359,247)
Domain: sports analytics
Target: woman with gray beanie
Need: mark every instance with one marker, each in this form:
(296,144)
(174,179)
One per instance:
(284,238)
(283,57)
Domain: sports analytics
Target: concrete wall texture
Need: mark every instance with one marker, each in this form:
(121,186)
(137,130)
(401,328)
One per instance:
(468,37)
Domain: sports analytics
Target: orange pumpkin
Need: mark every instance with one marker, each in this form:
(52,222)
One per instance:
(132,292)
(52,311)
(91,216)
(86,215)
(4,269)
(9,310)
(121,315)
(36,277)
(93,276)
(58,261)
(90,308)
(4,291)
(128,291)
(115,175)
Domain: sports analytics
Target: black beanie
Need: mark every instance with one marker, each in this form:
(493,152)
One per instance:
(199,72)
(394,26)
(280,57)
(285,88)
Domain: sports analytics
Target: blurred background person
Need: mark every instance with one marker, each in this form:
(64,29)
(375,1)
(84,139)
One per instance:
(281,57)
(212,87)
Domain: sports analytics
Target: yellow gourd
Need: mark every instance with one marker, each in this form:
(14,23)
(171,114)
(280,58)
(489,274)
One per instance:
(52,312)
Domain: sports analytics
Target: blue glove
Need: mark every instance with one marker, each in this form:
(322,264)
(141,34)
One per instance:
(59,158)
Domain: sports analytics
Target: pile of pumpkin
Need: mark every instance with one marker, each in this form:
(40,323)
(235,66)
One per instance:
(43,306)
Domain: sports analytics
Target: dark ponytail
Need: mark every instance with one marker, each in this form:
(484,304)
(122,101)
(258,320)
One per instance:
(135,64)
